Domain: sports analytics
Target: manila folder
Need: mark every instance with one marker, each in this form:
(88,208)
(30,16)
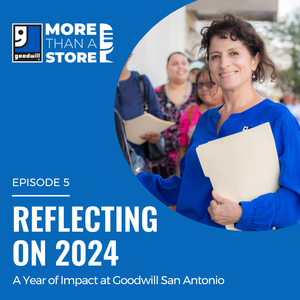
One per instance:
(242,166)
(145,123)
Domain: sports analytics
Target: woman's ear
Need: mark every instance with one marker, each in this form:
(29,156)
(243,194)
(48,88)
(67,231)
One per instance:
(255,61)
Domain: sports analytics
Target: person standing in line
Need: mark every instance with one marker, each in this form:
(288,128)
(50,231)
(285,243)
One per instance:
(194,68)
(294,107)
(174,97)
(207,95)
(129,104)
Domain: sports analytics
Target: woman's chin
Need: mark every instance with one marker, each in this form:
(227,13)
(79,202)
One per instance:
(180,78)
(212,103)
(206,99)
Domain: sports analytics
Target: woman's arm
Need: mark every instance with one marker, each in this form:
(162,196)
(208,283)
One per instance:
(153,108)
(151,99)
(166,190)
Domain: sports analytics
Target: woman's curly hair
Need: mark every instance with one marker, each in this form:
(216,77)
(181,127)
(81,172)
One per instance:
(238,29)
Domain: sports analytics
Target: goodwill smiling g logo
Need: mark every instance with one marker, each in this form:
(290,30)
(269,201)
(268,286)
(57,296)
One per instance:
(27,42)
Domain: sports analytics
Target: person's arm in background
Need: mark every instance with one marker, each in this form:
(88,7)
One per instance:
(151,99)
(183,138)
(153,109)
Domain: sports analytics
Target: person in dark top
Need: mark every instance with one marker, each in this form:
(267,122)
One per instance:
(128,103)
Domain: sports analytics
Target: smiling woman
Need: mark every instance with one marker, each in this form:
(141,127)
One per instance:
(173,97)
(237,56)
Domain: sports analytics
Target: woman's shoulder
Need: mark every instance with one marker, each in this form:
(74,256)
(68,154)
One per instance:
(273,105)
(144,77)
(192,104)
(161,94)
(159,89)
(135,76)
(133,79)
(276,109)
(279,117)
(190,109)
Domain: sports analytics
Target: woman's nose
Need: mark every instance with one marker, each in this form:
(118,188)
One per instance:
(225,62)
(204,87)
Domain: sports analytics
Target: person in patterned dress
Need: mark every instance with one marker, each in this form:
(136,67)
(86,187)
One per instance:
(174,97)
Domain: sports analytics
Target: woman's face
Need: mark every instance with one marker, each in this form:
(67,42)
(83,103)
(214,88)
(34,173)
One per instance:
(230,63)
(178,68)
(207,91)
(192,75)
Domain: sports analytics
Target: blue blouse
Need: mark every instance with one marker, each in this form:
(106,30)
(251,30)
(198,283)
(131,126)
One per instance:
(192,191)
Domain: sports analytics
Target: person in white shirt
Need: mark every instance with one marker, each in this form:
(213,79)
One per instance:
(294,107)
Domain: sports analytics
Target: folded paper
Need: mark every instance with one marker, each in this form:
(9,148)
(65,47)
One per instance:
(242,166)
(143,124)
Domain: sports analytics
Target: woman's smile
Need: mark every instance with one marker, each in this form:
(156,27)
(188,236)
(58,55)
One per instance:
(228,74)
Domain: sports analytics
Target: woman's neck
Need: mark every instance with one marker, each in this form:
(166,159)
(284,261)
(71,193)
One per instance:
(178,94)
(239,101)
(177,85)
(203,107)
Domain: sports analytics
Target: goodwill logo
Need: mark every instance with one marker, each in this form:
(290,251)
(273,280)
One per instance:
(27,42)
(64,43)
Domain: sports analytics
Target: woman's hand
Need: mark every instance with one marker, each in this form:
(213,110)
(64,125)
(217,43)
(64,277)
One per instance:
(223,211)
(151,137)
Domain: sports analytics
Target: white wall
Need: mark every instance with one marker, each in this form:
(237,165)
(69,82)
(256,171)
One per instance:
(150,55)
(172,34)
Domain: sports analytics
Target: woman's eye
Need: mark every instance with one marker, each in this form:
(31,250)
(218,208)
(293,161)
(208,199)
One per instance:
(234,53)
(214,57)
